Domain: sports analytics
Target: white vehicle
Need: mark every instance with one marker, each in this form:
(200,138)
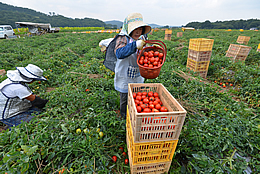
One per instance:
(6,31)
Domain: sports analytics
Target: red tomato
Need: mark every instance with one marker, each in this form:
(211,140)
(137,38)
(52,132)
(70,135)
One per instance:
(142,58)
(138,97)
(155,63)
(150,93)
(150,54)
(126,161)
(137,102)
(114,158)
(146,65)
(146,100)
(155,94)
(163,109)
(147,110)
(141,61)
(143,106)
(121,149)
(155,110)
(158,106)
(156,53)
(152,59)
(155,103)
(143,97)
(140,103)
(134,95)
(145,54)
(160,55)
(151,98)
(151,106)
(124,154)
(150,66)
(139,93)
(139,109)
(145,61)
(144,93)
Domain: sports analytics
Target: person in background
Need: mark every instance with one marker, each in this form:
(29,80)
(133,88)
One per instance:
(121,56)
(17,102)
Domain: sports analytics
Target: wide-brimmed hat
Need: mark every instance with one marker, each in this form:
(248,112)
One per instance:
(15,76)
(28,73)
(135,20)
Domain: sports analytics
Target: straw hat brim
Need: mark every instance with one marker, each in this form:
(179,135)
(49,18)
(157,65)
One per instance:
(134,25)
(27,74)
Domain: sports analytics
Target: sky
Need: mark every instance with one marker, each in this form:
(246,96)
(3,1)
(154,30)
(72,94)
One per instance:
(160,12)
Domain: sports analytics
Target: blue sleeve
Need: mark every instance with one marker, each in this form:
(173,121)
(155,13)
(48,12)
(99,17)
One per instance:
(126,51)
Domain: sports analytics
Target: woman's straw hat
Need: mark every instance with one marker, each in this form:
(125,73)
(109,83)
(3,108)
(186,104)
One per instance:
(135,20)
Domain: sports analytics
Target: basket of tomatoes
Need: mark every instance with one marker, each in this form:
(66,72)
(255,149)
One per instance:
(151,59)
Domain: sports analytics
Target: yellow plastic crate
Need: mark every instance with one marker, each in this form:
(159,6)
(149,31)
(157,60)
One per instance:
(243,39)
(197,66)
(201,44)
(258,46)
(155,126)
(145,153)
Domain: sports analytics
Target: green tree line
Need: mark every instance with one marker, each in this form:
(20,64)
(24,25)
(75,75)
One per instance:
(11,14)
(233,24)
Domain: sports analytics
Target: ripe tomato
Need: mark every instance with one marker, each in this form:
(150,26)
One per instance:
(147,110)
(155,94)
(121,149)
(151,98)
(155,103)
(143,106)
(143,97)
(150,93)
(139,93)
(158,106)
(145,54)
(114,158)
(163,109)
(126,161)
(140,103)
(145,61)
(160,55)
(144,93)
(134,95)
(152,59)
(146,65)
(151,106)
(150,54)
(146,100)
(124,154)
(139,109)
(142,58)
(138,97)
(141,61)
(137,102)
(156,53)
(155,63)
(155,110)
(150,66)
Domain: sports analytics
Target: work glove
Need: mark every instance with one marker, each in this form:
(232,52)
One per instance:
(38,102)
(140,44)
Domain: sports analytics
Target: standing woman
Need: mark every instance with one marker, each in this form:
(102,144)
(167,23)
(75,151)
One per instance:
(121,56)
(17,102)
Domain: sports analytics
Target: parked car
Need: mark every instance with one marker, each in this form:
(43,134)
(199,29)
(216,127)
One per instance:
(6,31)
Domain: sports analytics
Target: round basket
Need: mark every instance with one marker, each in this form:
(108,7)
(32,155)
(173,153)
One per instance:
(148,72)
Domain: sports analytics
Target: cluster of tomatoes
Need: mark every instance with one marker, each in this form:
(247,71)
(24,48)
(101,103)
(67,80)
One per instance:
(148,102)
(151,59)
(121,149)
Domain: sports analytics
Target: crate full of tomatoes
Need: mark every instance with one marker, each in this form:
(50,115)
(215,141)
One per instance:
(154,113)
(151,58)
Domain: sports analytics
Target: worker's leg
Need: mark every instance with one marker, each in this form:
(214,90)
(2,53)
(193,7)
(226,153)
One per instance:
(123,104)
(25,116)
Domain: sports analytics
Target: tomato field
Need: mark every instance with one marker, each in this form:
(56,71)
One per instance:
(80,130)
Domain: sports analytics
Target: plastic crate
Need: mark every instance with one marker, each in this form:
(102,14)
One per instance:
(201,44)
(258,47)
(199,56)
(197,66)
(243,39)
(238,52)
(155,126)
(152,152)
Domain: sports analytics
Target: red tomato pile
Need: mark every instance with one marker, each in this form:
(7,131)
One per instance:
(151,59)
(148,102)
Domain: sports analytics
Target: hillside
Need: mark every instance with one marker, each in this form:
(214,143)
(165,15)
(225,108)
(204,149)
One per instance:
(12,14)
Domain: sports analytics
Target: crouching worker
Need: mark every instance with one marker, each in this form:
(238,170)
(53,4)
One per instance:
(17,102)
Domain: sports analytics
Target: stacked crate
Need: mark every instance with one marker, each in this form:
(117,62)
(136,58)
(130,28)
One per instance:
(168,34)
(179,34)
(152,137)
(243,39)
(199,54)
(238,52)
(258,48)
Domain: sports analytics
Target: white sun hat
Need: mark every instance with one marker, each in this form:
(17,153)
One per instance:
(135,20)
(31,72)
(15,76)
